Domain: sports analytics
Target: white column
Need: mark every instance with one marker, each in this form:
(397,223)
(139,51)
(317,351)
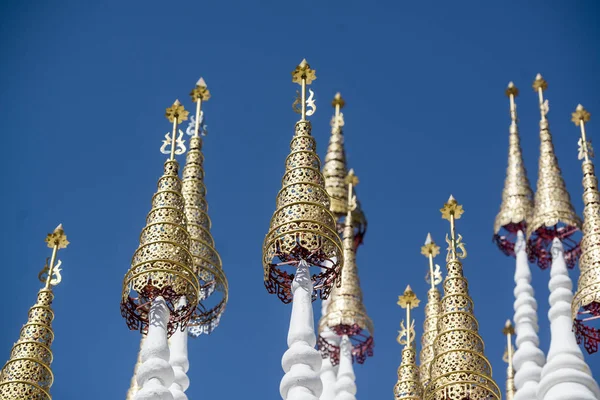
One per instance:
(155,374)
(345,387)
(528,359)
(301,362)
(565,376)
(179,360)
(328,371)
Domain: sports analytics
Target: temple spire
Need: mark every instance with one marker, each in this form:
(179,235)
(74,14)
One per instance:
(517,197)
(432,309)
(27,373)
(509,331)
(346,313)
(586,301)
(553,214)
(409,384)
(459,358)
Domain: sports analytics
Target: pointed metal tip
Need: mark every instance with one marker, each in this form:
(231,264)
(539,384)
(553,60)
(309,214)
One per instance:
(338,95)
(58,228)
(508,323)
(408,289)
(579,107)
(304,62)
(176,102)
(511,85)
(201,82)
(538,77)
(451,198)
(428,240)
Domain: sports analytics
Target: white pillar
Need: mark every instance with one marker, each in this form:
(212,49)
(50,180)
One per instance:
(301,362)
(155,374)
(179,360)
(528,359)
(345,387)
(328,371)
(565,376)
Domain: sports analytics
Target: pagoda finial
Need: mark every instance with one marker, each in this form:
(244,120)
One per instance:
(432,309)
(586,301)
(409,384)
(517,197)
(552,201)
(302,227)
(459,359)
(509,331)
(162,265)
(304,75)
(207,265)
(346,312)
(27,373)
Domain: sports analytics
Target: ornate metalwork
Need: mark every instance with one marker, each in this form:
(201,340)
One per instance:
(179,144)
(207,263)
(302,227)
(517,197)
(554,215)
(346,313)
(162,264)
(27,373)
(432,310)
(586,301)
(459,369)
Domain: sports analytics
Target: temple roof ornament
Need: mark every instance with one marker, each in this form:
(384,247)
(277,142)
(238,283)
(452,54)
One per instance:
(517,197)
(553,214)
(27,373)
(162,265)
(302,227)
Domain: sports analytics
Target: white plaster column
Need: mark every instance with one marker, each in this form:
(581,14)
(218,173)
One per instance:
(155,374)
(345,386)
(528,359)
(301,362)
(328,371)
(565,376)
(179,360)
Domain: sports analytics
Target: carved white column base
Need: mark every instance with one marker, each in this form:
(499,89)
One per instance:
(179,361)
(345,385)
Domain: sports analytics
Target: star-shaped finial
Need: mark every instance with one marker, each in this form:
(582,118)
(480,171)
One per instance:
(338,101)
(408,299)
(430,247)
(57,238)
(452,208)
(176,111)
(200,92)
(511,90)
(303,70)
(580,114)
(540,83)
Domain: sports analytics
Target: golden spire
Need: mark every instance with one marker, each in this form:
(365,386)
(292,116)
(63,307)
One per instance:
(408,385)
(459,369)
(207,262)
(587,298)
(517,197)
(27,373)
(552,201)
(162,264)
(508,331)
(302,227)
(432,309)
(335,171)
(346,313)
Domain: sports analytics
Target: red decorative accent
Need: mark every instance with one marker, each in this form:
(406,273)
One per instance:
(136,310)
(362,344)
(280,281)
(588,335)
(540,242)
(506,240)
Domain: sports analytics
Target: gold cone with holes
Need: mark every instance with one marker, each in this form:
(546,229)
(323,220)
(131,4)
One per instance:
(408,386)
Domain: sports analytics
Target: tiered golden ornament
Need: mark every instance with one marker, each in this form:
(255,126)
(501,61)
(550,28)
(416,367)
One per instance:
(409,385)
(460,370)
(432,309)
(214,288)
(553,214)
(162,264)
(27,373)
(586,301)
(346,313)
(517,197)
(302,227)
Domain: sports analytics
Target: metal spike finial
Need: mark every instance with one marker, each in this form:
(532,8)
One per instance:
(304,75)
(451,212)
(509,331)
(540,83)
(338,102)
(200,93)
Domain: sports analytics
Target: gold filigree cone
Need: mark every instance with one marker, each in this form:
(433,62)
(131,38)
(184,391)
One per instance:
(335,169)
(409,384)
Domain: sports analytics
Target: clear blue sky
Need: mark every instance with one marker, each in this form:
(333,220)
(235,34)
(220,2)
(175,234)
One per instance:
(84,89)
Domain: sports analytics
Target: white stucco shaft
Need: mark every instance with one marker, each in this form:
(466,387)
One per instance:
(301,362)
(328,371)
(179,360)
(565,376)
(345,387)
(528,359)
(155,374)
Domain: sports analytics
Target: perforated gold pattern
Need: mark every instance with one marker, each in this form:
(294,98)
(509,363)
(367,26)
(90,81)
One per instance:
(408,385)
(27,374)
(162,264)
(335,169)
(432,309)
(207,263)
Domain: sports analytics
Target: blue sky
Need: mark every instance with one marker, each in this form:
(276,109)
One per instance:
(84,89)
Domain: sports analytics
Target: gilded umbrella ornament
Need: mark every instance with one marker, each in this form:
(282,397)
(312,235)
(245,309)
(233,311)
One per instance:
(553,214)
(27,373)
(302,228)
(517,197)
(586,302)
(162,266)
